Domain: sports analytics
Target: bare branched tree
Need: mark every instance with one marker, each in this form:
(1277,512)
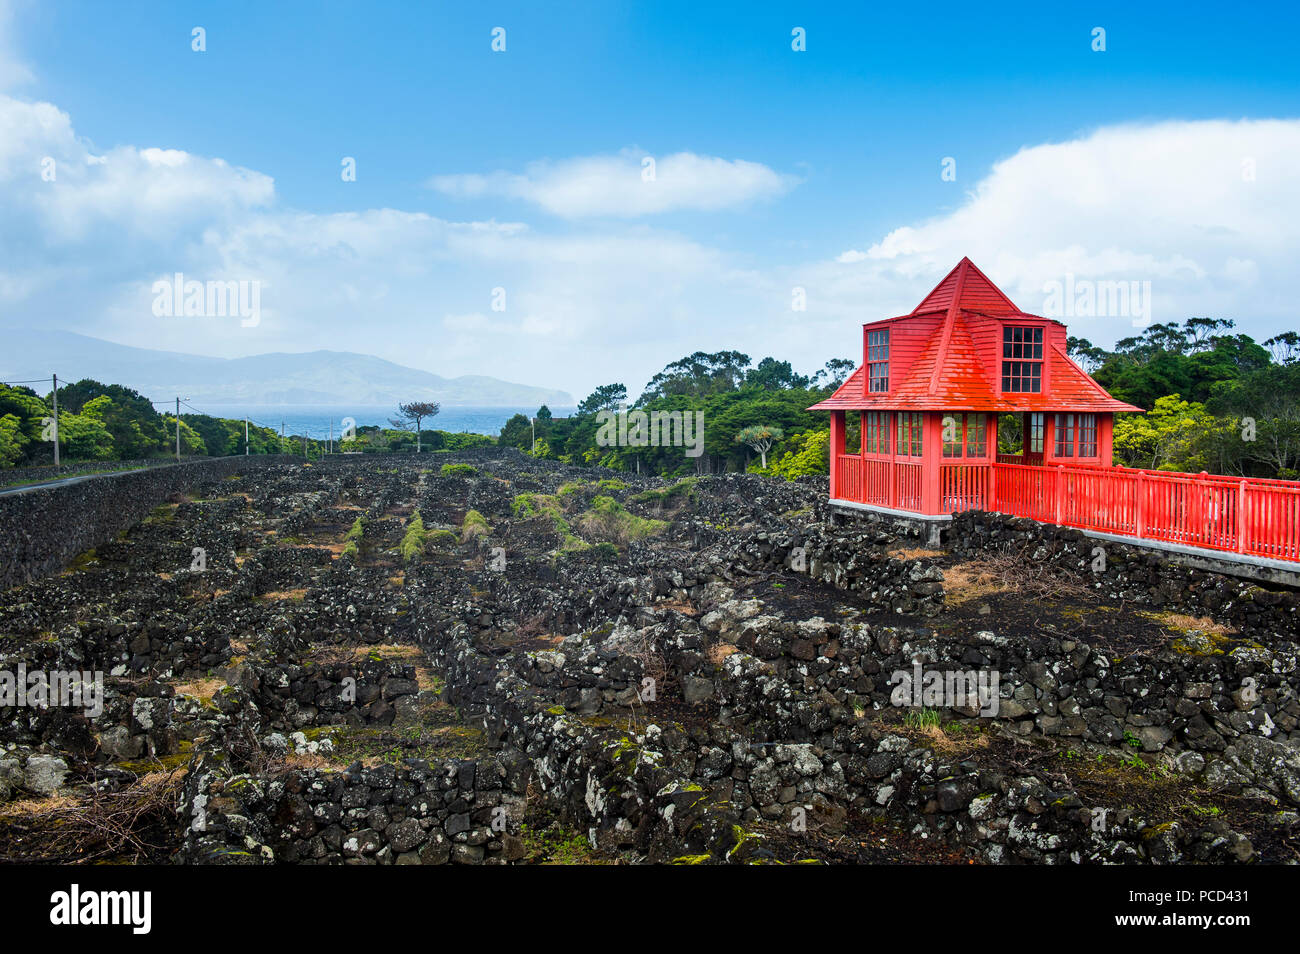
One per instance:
(412,414)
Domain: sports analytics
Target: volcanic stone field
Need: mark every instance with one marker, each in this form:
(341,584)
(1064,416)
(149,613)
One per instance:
(485,659)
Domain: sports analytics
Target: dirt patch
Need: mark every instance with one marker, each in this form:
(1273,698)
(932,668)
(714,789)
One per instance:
(297,595)
(201,689)
(867,840)
(1182,623)
(916,553)
(129,823)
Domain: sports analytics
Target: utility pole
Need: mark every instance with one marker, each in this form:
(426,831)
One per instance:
(281,435)
(178,430)
(532,448)
(330,449)
(245,437)
(56,421)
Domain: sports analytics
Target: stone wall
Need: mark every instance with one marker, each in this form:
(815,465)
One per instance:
(1133,574)
(850,558)
(42,530)
(772,693)
(42,472)
(456,811)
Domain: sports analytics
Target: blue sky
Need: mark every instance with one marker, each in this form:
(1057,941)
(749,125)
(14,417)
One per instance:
(479,170)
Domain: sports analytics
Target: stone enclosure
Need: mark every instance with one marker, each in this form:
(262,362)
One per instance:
(487,658)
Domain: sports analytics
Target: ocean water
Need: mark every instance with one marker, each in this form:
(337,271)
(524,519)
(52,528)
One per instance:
(314,420)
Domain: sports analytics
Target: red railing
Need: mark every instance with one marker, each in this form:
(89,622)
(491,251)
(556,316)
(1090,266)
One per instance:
(963,486)
(907,485)
(1034,457)
(881,483)
(849,478)
(1237,514)
(876,475)
(1234,514)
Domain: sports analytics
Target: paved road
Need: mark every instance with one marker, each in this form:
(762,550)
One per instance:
(67,480)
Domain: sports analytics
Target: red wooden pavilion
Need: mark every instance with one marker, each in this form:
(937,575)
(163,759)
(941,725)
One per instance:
(932,386)
(927,401)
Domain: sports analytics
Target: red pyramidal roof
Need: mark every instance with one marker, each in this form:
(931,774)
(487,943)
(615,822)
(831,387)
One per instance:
(969,288)
(950,373)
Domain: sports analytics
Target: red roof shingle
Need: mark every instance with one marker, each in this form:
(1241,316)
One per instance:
(950,374)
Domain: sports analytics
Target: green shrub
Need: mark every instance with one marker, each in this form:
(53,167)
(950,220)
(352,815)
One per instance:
(684,489)
(412,544)
(608,519)
(459,470)
(802,455)
(527,506)
(440,538)
(924,719)
(605,552)
(474,525)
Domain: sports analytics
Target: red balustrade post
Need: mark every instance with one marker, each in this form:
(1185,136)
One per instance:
(1200,530)
(990,458)
(1140,517)
(931,458)
(837,448)
(1060,494)
(1243,525)
(892,431)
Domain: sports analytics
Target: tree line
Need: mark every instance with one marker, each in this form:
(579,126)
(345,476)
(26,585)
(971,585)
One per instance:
(755,416)
(1216,400)
(106,422)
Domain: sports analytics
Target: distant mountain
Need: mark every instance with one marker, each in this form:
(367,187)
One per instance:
(314,377)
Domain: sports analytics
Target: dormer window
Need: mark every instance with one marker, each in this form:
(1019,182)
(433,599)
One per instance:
(1022,360)
(878,361)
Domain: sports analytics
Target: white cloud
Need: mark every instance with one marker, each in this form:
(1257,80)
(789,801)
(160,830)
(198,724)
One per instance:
(81,252)
(1167,203)
(619,186)
(52,180)
(594,303)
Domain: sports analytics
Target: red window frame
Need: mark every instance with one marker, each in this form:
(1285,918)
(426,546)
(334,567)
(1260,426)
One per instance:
(878,361)
(971,438)
(1033,441)
(977,436)
(1087,431)
(1022,359)
(1066,436)
(876,431)
(1076,436)
(908,443)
